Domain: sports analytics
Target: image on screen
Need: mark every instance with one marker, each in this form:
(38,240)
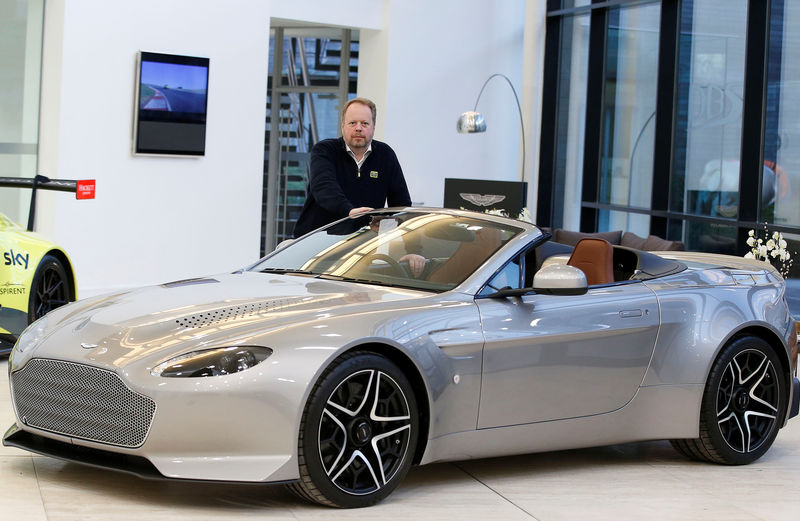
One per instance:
(172,97)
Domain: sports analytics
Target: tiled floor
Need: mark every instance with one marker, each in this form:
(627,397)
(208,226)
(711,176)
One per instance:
(643,481)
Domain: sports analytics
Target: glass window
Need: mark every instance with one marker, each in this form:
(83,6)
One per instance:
(20,66)
(711,237)
(628,131)
(709,110)
(571,122)
(780,186)
(627,221)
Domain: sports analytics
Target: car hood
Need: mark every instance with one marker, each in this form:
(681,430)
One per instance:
(228,309)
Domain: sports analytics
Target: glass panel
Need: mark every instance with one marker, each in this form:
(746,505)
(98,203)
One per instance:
(710,237)
(709,110)
(571,122)
(569,4)
(630,222)
(780,197)
(629,103)
(20,66)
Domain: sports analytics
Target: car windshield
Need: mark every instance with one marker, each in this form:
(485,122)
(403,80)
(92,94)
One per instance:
(432,251)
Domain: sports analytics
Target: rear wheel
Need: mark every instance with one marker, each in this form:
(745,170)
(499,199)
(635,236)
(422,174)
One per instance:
(742,405)
(50,288)
(358,432)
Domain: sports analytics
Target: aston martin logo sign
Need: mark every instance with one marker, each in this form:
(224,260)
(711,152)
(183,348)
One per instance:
(482,200)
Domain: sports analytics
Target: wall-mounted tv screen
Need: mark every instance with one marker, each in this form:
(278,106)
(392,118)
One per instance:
(171,100)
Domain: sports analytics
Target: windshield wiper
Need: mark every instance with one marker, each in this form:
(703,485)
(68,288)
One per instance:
(286,271)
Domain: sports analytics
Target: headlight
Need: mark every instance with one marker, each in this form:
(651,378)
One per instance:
(32,335)
(212,362)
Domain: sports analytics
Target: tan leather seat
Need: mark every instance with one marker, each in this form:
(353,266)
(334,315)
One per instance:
(595,257)
(468,257)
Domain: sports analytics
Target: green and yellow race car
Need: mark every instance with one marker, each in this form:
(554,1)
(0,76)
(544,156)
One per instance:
(36,275)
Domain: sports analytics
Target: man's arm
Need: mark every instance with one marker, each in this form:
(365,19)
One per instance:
(323,184)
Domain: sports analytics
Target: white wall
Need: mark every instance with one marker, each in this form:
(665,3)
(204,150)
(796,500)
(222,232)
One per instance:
(159,219)
(425,67)
(154,219)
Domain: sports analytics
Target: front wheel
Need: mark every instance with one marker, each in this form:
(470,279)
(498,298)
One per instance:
(50,288)
(358,433)
(742,405)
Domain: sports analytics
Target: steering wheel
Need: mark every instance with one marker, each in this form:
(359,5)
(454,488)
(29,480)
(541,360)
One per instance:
(396,267)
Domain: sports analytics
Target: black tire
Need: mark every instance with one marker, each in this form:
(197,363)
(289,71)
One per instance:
(50,288)
(742,407)
(358,432)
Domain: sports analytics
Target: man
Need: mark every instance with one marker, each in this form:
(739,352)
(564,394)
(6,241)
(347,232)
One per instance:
(351,174)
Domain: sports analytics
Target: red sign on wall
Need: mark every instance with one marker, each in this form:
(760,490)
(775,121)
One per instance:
(85,189)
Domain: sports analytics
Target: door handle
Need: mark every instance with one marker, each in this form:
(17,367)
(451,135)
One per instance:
(630,313)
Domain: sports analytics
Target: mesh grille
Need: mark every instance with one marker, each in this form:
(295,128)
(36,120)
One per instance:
(236,312)
(81,401)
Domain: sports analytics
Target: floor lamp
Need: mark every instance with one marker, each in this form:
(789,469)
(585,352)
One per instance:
(472,121)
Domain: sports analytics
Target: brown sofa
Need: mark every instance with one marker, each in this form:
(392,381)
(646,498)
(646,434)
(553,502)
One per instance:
(618,237)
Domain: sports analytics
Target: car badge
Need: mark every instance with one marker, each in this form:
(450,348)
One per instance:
(88,346)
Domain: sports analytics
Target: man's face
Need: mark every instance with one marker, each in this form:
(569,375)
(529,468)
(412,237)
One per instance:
(358,127)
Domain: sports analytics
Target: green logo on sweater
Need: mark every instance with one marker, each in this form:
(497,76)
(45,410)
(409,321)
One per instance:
(373,174)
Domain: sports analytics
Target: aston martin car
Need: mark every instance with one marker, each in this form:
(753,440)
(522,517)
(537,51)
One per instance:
(409,336)
(36,276)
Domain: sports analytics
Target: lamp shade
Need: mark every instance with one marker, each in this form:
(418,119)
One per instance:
(471,122)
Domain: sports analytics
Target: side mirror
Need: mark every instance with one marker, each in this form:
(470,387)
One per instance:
(555,279)
(560,279)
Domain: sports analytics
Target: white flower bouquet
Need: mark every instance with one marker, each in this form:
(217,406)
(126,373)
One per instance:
(770,248)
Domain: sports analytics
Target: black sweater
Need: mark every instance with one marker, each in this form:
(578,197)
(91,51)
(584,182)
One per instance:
(336,186)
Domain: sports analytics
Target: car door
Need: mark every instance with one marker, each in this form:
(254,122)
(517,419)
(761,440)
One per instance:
(550,357)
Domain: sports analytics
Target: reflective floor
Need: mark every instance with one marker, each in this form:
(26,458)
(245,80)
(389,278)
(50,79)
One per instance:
(636,481)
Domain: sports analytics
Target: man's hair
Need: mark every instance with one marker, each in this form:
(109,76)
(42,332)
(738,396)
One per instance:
(363,101)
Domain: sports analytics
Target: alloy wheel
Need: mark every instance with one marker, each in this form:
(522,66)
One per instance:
(747,401)
(364,432)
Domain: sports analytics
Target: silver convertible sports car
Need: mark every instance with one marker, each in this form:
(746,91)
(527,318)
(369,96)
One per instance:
(408,336)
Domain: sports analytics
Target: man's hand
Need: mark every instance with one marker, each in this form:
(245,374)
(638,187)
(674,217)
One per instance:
(360,209)
(415,262)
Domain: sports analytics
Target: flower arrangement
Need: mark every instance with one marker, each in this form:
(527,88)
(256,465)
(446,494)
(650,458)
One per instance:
(770,248)
(524,215)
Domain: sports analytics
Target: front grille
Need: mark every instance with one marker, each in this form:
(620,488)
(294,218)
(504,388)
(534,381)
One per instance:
(81,401)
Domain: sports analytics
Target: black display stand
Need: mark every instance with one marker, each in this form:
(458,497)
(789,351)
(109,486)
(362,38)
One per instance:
(481,195)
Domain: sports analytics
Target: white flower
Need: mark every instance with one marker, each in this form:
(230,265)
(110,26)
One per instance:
(782,243)
(751,233)
(751,241)
(770,244)
(525,215)
(776,235)
(762,250)
(775,253)
(749,255)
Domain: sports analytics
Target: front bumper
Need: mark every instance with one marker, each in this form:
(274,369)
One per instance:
(212,429)
(127,463)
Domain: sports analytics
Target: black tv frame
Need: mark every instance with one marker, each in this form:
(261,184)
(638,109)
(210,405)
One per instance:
(167,130)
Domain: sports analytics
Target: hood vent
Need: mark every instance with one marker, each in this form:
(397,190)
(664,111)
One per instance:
(237,312)
(188,282)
